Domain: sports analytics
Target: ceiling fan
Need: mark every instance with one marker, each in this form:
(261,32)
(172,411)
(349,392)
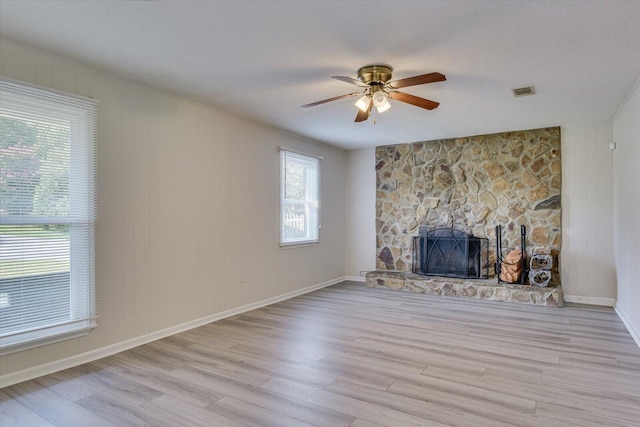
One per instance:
(378,89)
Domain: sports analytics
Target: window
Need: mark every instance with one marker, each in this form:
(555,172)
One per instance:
(299,204)
(47,216)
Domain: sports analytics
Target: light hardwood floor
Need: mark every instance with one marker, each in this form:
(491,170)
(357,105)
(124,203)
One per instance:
(352,356)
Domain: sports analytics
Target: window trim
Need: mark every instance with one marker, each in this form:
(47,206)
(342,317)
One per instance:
(84,144)
(306,241)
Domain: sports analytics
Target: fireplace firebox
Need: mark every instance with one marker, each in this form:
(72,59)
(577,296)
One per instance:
(447,252)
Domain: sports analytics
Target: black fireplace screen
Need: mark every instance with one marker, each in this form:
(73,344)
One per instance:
(447,252)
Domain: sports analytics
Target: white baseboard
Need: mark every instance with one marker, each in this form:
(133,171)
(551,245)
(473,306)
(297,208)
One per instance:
(69,362)
(635,334)
(608,302)
(355,278)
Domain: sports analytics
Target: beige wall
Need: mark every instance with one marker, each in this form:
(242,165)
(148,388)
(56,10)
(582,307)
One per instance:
(361,208)
(188,205)
(626,205)
(586,257)
(587,267)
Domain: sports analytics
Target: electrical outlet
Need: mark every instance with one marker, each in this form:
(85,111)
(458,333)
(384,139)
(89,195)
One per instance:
(242,276)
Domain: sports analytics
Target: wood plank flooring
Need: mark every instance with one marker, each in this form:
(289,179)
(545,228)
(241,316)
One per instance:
(352,356)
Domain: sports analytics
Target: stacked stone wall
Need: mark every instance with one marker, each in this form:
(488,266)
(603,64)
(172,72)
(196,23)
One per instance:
(471,184)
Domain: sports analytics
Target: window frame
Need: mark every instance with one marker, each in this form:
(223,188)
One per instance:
(81,113)
(312,205)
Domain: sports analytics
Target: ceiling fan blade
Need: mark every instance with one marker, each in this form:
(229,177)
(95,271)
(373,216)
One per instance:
(335,98)
(417,80)
(364,115)
(414,100)
(350,80)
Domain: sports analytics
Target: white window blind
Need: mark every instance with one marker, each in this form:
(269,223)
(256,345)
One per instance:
(47,216)
(299,198)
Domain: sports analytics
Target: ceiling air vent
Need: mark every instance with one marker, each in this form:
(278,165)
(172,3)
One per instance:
(523,91)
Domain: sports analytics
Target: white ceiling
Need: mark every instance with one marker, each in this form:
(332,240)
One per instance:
(263,59)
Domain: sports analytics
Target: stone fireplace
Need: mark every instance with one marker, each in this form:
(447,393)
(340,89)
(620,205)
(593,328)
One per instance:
(470,184)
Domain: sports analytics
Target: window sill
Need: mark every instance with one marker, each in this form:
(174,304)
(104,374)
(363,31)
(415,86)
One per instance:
(22,345)
(291,245)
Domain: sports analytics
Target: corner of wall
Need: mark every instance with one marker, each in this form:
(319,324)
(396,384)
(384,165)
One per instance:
(626,204)
(633,330)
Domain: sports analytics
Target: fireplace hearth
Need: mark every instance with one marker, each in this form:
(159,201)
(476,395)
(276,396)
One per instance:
(447,252)
(488,290)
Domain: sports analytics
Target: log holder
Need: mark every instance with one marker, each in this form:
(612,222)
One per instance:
(500,255)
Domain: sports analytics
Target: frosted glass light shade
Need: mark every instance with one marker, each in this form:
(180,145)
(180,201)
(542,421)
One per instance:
(381,102)
(363,103)
(384,107)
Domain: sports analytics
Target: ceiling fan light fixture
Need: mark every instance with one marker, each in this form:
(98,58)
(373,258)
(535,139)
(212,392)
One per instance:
(381,102)
(363,103)
(377,87)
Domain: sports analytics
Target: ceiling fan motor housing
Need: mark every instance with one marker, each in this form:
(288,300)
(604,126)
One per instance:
(375,75)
